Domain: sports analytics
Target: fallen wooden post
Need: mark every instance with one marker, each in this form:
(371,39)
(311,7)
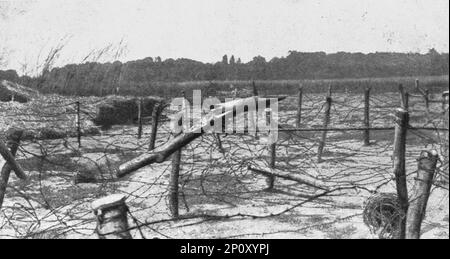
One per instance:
(162,153)
(10,160)
(326,121)
(290,176)
(13,144)
(419,199)
(402,122)
(111,213)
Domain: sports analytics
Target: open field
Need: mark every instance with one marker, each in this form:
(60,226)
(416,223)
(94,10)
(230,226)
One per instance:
(290,87)
(219,196)
(269,87)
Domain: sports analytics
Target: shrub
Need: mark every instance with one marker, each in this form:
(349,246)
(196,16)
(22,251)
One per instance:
(123,111)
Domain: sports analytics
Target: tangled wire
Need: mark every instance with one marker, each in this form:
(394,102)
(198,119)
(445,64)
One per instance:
(383,215)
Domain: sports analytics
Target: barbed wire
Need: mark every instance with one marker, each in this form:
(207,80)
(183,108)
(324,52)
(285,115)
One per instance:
(215,186)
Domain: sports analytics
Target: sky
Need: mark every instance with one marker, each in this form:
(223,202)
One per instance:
(205,30)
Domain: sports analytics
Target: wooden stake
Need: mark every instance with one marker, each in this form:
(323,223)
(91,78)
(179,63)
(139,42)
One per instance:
(403,101)
(402,122)
(270,179)
(326,121)
(155,121)
(445,108)
(78,122)
(140,106)
(13,144)
(255,90)
(252,117)
(111,213)
(426,98)
(445,102)
(299,106)
(407,101)
(173,184)
(219,143)
(425,93)
(367,116)
(417,208)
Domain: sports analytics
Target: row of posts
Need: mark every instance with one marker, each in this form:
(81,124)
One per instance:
(414,208)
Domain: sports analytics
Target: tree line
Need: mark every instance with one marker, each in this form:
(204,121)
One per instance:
(93,78)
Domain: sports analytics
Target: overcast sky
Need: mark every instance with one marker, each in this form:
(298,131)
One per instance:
(205,30)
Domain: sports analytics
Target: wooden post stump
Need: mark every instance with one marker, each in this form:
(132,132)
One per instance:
(402,122)
(270,179)
(112,220)
(419,199)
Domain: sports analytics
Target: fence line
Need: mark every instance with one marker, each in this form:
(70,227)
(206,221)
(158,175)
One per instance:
(294,155)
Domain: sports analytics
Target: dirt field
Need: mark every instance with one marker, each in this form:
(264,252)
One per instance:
(218,194)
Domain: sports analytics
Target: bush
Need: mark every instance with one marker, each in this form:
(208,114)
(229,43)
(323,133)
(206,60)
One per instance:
(123,111)
(7,96)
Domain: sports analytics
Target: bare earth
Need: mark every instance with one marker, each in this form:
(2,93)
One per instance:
(217,191)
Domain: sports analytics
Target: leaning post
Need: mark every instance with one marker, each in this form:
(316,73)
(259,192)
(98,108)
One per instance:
(419,199)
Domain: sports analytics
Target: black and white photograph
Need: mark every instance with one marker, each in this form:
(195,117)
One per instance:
(224,124)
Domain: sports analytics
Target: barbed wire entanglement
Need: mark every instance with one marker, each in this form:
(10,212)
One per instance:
(222,188)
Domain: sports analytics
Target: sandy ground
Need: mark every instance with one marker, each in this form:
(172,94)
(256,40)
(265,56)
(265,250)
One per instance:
(50,205)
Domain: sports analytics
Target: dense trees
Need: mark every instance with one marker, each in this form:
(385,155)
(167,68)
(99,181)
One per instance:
(100,79)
